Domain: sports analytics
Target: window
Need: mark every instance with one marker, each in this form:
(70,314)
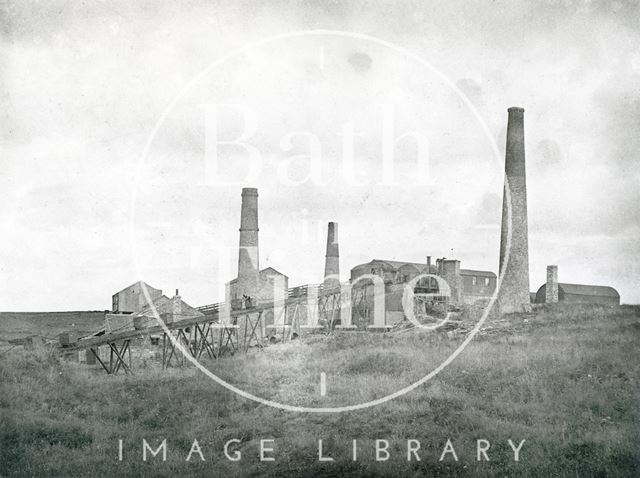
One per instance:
(487,281)
(474,280)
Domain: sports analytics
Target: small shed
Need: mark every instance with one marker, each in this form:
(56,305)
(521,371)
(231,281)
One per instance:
(579,293)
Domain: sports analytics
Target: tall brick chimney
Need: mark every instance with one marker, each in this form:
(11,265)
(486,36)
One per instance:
(551,289)
(248,265)
(451,273)
(332,258)
(513,295)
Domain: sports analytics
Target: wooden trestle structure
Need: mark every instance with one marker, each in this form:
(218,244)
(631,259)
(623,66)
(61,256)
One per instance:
(216,334)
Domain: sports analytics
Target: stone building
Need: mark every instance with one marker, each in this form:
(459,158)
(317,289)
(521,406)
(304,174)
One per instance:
(132,299)
(168,309)
(466,286)
(272,285)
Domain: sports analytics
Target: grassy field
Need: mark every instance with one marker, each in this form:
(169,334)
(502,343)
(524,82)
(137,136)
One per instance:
(565,379)
(47,324)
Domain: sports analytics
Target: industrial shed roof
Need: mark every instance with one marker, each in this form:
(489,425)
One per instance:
(398,264)
(580,289)
(422,267)
(471,272)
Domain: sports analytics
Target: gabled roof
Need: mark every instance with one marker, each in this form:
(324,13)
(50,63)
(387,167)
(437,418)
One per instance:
(157,302)
(163,302)
(580,289)
(271,271)
(136,283)
(268,271)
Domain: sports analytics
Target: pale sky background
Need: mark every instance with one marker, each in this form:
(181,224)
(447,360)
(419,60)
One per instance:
(82,87)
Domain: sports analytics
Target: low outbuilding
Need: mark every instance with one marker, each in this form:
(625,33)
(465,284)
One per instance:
(580,293)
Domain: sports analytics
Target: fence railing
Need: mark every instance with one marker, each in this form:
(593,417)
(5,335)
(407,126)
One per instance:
(292,293)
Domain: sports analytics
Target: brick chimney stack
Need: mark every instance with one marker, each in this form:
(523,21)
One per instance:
(332,258)
(551,289)
(514,293)
(248,265)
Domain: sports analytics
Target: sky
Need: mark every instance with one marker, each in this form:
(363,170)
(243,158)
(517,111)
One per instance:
(110,110)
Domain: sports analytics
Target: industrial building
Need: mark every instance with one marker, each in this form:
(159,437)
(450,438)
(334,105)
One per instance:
(256,287)
(581,294)
(269,288)
(467,285)
(553,291)
(131,299)
(271,285)
(131,310)
(259,306)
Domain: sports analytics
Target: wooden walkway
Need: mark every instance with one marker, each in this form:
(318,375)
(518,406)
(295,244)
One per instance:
(217,332)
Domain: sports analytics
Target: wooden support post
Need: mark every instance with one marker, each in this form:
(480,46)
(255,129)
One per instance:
(164,350)
(226,336)
(253,325)
(172,352)
(97,356)
(203,343)
(119,355)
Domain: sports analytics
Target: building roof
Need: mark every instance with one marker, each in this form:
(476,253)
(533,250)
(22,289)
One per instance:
(472,272)
(399,264)
(395,264)
(268,272)
(271,271)
(580,289)
(157,302)
(423,267)
(161,303)
(137,283)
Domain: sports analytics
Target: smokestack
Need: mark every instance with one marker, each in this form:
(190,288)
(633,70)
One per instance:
(248,265)
(514,287)
(332,258)
(451,273)
(551,289)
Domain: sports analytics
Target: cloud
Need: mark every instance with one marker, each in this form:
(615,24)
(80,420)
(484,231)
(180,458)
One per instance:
(83,86)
